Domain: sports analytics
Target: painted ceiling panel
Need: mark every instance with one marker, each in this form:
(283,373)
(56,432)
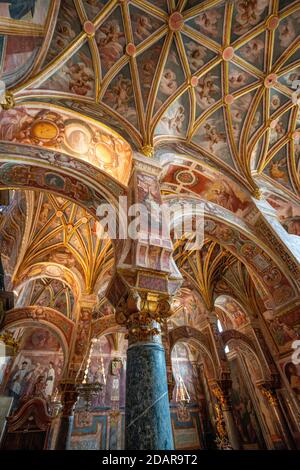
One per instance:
(221,75)
(94,7)
(75,77)
(23,26)
(143,24)
(208,23)
(110,39)
(67,27)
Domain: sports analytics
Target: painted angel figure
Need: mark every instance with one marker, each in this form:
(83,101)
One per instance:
(249,13)
(168,84)
(253,49)
(287,33)
(121,94)
(175,122)
(142,27)
(208,22)
(196,55)
(213,136)
(206,90)
(239,108)
(110,40)
(275,102)
(81,78)
(65,34)
(148,70)
(277,132)
(94,6)
(237,78)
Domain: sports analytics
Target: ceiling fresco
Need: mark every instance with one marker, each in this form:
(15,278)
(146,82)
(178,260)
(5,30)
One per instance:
(188,309)
(63,234)
(50,293)
(288,213)
(183,176)
(219,76)
(231,312)
(69,133)
(23,29)
(209,92)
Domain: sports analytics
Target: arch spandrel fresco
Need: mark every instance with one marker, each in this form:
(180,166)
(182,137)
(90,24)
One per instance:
(188,309)
(236,314)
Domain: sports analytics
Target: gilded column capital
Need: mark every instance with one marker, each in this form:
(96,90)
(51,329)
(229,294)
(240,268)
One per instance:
(257,194)
(142,312)
(12,345)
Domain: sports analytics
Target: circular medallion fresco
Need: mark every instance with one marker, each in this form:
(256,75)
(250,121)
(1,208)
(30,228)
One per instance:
(185,177)
(78,137)
(45,130)
(104,154)
(273,277)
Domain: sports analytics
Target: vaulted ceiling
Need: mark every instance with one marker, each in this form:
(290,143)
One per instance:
(218,76)
(209,86)
(64,234)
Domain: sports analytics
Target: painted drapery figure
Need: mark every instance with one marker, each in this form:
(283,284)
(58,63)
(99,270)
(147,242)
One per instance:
(20,8)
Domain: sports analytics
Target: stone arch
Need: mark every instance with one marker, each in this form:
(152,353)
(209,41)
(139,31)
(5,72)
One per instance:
(58,128)
(218,303)
(236,336)
(55,321)
(106,324)
(184,333)
(53,271)
(238,238)
(95,182)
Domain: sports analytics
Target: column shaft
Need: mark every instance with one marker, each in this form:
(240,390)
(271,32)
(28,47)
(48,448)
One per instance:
(68,397)
(148,422)
(282,426)
(233,435)
(270,394)
(63,439)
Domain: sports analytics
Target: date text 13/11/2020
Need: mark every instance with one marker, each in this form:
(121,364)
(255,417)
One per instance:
(151,459)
